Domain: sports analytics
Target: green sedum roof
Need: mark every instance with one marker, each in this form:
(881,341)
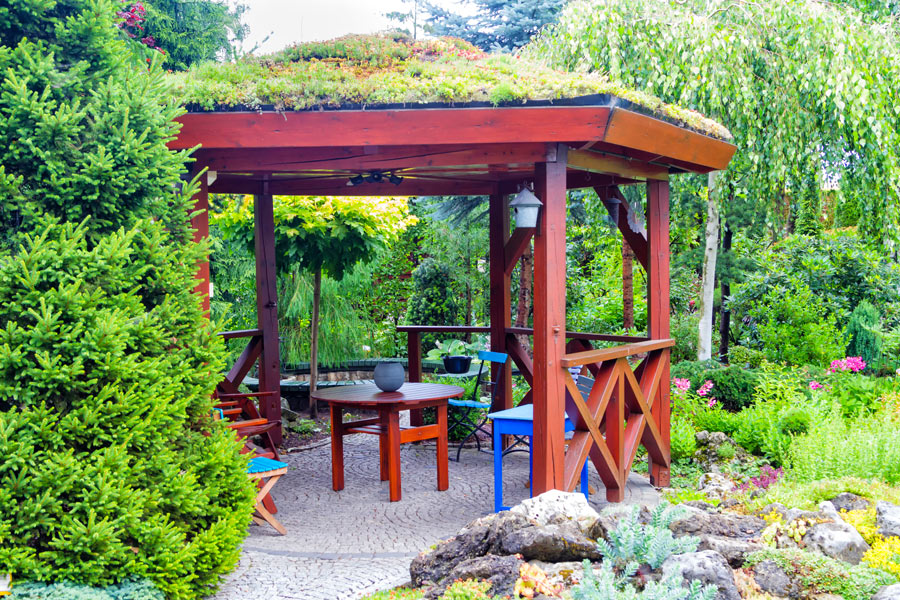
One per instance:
(387,70)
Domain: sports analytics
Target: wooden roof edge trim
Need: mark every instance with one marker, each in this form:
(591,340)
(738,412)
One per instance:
(649,134)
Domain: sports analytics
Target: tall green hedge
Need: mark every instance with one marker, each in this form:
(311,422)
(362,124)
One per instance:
(111,469)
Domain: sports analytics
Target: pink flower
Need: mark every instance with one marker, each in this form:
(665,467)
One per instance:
(854,364)
(705,388)
(815,385)
(712,402)
(682,384)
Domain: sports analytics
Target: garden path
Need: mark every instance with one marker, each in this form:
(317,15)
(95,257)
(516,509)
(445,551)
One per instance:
(341,545)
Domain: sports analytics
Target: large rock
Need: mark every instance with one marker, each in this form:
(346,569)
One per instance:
(837,540)
(715,485)
(887,518)
(552,543)
(704,523)
(773,580)
(707,454)
(480,537)
(565,574)
(707,567)
(734,550)
(501,571)
(547,506)
(888,592)
(848,501)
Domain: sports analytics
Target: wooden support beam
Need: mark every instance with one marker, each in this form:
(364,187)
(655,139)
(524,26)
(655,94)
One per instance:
(658,313)
(200,225)
(362,159)
(500,306)
(515,247)
(608,164)
(618,209)
(267,308)
(311,186)
(549,326)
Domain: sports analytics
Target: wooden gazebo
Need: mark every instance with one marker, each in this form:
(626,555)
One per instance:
(600,142)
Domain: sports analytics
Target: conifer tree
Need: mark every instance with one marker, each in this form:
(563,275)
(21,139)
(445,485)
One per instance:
(113,468)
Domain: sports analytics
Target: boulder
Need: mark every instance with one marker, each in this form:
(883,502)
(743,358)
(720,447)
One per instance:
(848,501)
(707,567)
(703,523)
(734,550)
(707,454)
(480,537)
(837,540)
(565,574)
(501,571)
(552,543)
(715,485)
(888,592)
(887,518)
(773,580)
(545,507)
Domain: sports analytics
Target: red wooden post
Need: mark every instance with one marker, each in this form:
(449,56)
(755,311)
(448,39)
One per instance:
(500,300)
(549,325)
(658,309)
(267,309)
(200,223)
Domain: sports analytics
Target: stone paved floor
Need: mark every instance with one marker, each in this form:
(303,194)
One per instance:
(341,545)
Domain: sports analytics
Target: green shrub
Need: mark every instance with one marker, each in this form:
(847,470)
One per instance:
(433,301)
(862,333)
(795,327)
(864,447)
(129,590)
(652,543)
(683,438)
(746,357)
(823,575)
(725,452)
(685,333)
(697,371)
(113,467)
(858,394)
(733,386)
(808,494)
(716,419)
(795,421)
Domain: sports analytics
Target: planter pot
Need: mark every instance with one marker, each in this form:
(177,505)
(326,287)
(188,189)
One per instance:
(457,364)
(389,376)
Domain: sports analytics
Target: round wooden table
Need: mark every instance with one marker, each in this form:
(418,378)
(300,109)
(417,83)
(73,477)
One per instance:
(387,425)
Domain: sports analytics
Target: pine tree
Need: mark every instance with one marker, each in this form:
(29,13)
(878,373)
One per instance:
(112,466)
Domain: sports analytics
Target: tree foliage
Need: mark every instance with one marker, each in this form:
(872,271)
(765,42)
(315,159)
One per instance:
(494,24)
(191,31)
(806,87)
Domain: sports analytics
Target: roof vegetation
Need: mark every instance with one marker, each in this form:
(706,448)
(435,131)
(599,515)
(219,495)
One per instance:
(392,69)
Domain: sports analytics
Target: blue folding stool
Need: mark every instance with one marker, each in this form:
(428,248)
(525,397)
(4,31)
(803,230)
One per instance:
(459,418)
(520,421)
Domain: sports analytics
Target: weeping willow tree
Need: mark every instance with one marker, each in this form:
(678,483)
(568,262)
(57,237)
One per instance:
(807,88)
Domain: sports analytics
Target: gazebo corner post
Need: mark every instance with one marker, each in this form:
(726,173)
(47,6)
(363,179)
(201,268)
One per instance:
(267,309)
(658,312)
(500,303)
(550,325)
(200,225)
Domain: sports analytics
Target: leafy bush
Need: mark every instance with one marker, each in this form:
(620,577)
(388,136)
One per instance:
(129,590)
(113,467)
(725,451)
(865,447)
(683,438)
(433,301)
(733,386)
(744,356)
(696,371)
(608,586)
(823,575)
(858,394)
(683,329)
(716,419)
(795,421)
(862,333)
(795,327)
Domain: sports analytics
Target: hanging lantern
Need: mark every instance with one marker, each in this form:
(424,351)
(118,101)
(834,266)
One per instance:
(527,207)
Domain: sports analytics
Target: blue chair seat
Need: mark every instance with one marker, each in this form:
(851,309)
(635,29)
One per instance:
(469,404)
(460,419)
(260,464)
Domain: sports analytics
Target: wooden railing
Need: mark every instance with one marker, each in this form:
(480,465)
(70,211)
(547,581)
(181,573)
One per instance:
(625,408)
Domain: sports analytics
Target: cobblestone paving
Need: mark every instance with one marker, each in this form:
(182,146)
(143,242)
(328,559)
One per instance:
(342,545)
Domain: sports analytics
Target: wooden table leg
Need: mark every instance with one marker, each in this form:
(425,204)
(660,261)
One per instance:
(337,448)
(393,452)
(443,475)
(382,446)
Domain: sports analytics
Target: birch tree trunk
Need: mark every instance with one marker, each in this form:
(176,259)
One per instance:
(314,344)
(708,288)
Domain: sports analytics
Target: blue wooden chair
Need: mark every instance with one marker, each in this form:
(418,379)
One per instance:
(458,419)
(267,472)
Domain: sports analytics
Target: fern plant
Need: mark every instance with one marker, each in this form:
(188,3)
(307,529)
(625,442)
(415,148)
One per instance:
(650,544)
(607,585)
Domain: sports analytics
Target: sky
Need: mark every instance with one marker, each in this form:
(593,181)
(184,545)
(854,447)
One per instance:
(289,21)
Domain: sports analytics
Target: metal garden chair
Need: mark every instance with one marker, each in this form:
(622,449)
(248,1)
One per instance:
(459,418)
